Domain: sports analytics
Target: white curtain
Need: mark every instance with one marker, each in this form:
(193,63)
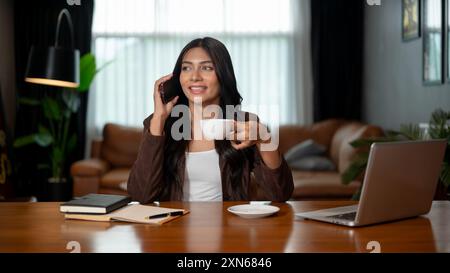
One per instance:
(268,41)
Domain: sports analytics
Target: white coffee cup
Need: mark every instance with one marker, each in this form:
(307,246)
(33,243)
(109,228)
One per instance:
(217,129)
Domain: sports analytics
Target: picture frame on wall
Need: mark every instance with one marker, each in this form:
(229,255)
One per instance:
(433,42)
(411,19)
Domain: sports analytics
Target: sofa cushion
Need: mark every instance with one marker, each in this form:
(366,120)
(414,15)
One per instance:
(321,184)
(313,163)
(304,149)
(340,138)
(290,135)
(89,167)
(120,144)
(323,131)
(347,152)
(114,178)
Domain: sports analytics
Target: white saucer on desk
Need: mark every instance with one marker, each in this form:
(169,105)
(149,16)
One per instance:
(253,211)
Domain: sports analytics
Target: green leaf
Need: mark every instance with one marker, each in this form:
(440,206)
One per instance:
(29,101)
(24,141)
(361,143)
(356,168)
(393,134)
(367,142)
(439,127)
(71,99)
(87,71)
(51,109)
(43,139)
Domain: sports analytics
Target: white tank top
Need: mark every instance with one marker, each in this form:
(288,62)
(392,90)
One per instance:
(202,180)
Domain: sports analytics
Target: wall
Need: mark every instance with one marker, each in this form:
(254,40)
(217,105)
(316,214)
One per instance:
(393,91)
(7,67)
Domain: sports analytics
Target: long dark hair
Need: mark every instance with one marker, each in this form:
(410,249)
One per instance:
(234,160)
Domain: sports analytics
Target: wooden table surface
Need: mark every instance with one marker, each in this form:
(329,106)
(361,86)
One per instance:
(39,227)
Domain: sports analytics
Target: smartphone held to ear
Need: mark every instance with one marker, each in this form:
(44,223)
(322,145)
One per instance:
(169,90)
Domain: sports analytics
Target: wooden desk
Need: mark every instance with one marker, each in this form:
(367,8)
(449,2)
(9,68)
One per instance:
(39,227)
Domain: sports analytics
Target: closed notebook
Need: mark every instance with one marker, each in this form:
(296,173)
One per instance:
(95,204)
(134,213)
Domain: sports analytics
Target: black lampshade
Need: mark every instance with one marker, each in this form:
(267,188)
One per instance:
(55,66)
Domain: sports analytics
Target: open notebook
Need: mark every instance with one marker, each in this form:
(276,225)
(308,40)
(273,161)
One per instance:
(134,213)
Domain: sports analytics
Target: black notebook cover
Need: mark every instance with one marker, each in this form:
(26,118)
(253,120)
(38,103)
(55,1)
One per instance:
(107,201)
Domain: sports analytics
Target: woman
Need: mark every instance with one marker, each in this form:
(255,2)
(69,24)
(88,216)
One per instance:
(205,170)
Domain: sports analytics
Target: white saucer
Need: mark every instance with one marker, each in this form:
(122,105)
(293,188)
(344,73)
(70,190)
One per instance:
(253,211)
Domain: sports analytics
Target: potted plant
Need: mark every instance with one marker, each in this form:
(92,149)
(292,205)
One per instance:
(54,134)
(438,129)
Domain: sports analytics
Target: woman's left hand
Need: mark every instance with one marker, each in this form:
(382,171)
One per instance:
(249,133)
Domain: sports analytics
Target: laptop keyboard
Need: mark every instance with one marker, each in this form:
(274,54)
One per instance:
(345,216)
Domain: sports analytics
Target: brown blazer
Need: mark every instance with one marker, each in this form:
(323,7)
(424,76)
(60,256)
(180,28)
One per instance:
(146,180)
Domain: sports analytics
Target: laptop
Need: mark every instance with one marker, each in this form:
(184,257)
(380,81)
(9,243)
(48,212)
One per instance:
(400,182)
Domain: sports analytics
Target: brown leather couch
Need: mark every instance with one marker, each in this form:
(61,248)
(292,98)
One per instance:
(335,135)
(107,169)
(111,158)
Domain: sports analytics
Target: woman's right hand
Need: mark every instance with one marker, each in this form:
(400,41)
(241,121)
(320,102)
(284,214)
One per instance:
(162,111)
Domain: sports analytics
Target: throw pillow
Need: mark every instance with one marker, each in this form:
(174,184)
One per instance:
(303,149)
(313,163)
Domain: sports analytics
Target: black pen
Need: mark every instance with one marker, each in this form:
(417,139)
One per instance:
(161,215)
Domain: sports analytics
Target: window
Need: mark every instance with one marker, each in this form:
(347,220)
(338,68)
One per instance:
(144,38)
